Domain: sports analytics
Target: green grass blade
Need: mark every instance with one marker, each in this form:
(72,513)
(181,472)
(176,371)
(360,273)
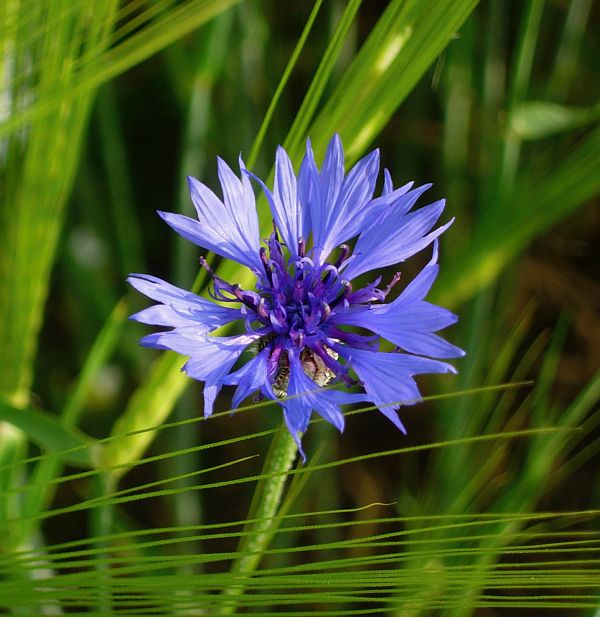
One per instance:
(99,69)
(537,205)
(149,406)
(49,433)
(260,135)
(407,39)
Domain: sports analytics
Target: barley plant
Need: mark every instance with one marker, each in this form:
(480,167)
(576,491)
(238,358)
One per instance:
(368,375)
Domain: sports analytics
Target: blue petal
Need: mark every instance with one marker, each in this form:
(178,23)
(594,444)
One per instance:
(387,377)
(338,205)
(164,292)
(211,357)
(326,186)
(296,409)
(251,377)
(153,341)
(389,201)
(285,206)
(240,204)
(332,171)
(161,315)
(411,329)
(405,198)
(353,203)
(408,321)
(428,344)
(388,185)
(304,395)
(395,236)
(180,308)
(229,227)
(305,191)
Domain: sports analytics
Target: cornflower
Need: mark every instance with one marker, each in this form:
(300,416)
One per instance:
(308,324)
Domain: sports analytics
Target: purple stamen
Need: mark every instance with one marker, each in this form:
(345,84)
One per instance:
(273,361)
(298,337)
(275,251)
(370,293)
(298,291)
(393,282)
(219,284)
(261,309)
(347,288)
(344,252)
(265,262)
(205,265)
(301,247)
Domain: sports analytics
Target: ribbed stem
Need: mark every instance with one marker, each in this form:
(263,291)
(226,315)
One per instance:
(262,515)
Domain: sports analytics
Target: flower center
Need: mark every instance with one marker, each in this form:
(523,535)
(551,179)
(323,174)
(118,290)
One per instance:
(294,297)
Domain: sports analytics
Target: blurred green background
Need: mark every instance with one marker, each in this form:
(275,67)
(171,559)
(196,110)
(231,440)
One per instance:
(491,505)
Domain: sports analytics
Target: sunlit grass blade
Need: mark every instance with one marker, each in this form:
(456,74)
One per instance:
(38,193)
(401,47)
(100,68)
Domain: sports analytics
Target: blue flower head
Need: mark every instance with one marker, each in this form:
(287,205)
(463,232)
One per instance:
(306,321)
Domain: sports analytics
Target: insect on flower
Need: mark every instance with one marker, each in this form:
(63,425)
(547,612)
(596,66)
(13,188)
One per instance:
(301,318)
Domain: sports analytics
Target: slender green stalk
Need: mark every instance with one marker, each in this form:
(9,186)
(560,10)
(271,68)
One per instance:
(262,131)
(565,64)
(126,227)
(263,511)
(101,526)
(511,150)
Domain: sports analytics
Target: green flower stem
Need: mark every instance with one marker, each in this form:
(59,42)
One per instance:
(101,526)
(262,515)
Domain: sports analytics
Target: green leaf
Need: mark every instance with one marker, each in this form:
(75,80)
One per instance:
(46,155)
(48,433)
(539,119)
